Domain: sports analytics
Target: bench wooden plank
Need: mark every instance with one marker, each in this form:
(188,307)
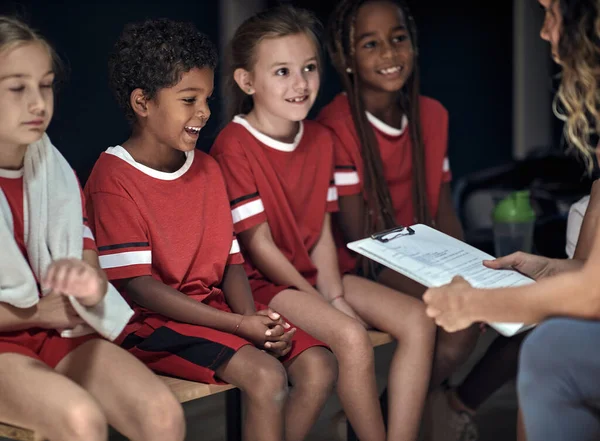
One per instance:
(184,390)
(15,433)
(380,338)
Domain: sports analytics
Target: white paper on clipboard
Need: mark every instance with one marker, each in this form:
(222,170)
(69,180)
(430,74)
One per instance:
(433,258)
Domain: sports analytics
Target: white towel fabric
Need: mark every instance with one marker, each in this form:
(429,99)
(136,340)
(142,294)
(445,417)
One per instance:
(574,221)
(53,219)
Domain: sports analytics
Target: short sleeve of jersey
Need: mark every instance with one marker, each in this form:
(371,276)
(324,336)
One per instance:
(332,198)
(446,172)
(332,191)
(247,209)
(121,236)
(235,254)
(346,177)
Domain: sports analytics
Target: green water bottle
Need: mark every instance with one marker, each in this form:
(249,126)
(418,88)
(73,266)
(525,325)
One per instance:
(514,221)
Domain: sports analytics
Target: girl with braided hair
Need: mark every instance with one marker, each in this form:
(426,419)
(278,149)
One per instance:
(391,169)
(278,169)
(391,164)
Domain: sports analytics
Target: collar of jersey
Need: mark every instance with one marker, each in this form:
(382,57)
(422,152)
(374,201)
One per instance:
(267,140)
(123,154)
(11,174)
(386,128)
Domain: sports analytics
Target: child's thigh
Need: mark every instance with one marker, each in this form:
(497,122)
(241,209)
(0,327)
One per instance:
(122,384)
(315,315)
(37,397)
(250,368)
(381,306)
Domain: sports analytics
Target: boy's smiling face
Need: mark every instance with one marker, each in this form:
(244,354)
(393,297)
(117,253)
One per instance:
(176,114)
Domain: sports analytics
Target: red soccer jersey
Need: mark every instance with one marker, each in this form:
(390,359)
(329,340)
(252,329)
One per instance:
(11,183)
(175,227)
(288,185)
(395,148)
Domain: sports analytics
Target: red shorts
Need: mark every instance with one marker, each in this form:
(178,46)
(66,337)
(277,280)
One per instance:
(193,352)
(45,345)
(263,291)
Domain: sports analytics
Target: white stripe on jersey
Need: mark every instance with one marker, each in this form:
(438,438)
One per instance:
(87,233)
(127,258)
(446,166)
(235,247)
(332,194)
(346,178)
(247,210)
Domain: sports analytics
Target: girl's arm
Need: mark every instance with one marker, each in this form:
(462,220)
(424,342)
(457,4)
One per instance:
(53,311)
(329,280)
(350,217)
(324,257)
(446,219)
(269,259)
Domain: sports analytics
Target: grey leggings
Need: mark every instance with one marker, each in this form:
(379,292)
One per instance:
(559,381)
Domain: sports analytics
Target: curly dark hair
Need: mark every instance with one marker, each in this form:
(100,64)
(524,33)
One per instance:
(154,54)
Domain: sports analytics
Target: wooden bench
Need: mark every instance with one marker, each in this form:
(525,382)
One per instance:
(188,391)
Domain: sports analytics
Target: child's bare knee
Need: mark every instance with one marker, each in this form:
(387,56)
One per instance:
(83,420)
(455,351)
(163,418)
(352,340)
(269,383)
(417,327)
(318,371)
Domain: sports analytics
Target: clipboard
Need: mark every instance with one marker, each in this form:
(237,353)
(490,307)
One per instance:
(433,258)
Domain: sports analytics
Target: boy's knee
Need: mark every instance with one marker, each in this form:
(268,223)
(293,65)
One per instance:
(83,420)
(269,382)
(318,371)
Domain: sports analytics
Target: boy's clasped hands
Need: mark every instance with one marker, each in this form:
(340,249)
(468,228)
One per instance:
(267,330)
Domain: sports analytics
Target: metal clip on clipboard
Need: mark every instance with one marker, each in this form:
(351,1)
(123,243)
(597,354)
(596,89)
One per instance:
(396,231)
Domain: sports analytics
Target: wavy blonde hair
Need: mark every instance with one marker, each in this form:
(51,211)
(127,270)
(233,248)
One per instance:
(577,102)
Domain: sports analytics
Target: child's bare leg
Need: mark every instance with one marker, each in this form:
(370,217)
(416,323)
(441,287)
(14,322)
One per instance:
(350,343)
(312,375)
(135,401)
(404,318)
(451,349)
(263,380)
(38,398)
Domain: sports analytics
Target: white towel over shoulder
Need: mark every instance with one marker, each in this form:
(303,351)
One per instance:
(53,219)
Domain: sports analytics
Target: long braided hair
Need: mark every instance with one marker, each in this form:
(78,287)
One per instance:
(378,210)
